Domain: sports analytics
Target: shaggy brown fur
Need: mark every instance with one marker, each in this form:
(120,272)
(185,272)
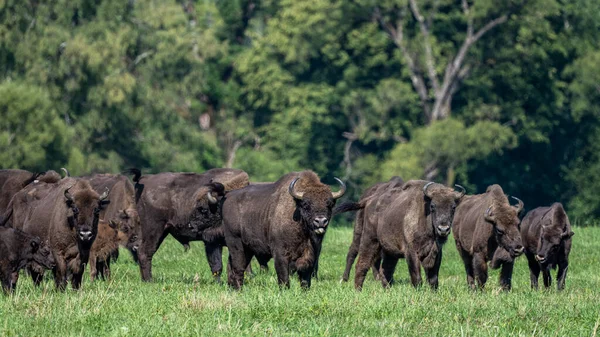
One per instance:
(484,223)
(68,225)
(406,223)
(375,190)
(178,204)
(546,233)
(265,220)
(106,243)
(17,249)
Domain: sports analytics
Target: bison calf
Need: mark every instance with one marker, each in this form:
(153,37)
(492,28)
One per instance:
(17,249)
(106,243)
(483,224)
(546,233)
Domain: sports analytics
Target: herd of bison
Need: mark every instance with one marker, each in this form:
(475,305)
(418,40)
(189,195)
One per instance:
(51,222)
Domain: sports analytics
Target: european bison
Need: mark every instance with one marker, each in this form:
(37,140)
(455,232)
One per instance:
(65,215)
(411,222)
(546,233)
(284,220)
(485,227)
(369,193)
(187,206)
(122,210)
(17,249)
(12,181)
(106,243)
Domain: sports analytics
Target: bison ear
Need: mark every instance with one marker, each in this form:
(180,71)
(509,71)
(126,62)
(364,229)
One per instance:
(567,234)
(112,224)
(34,245)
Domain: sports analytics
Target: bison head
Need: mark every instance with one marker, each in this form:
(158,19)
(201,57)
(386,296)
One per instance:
(40,253)
(505,220)
(440,206)
(206,212)
(128,225)
(555,229)
(84,208)
(314,203)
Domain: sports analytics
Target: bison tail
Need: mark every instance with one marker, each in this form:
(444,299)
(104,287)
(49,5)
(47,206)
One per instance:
(348,207)
(137,173)
(31,179)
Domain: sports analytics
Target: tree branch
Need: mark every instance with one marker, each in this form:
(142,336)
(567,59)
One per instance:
(466,10)
(427,46)
(397,36)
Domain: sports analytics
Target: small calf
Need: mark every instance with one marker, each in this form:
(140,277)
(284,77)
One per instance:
(17,249)
(546,234)
(106,244)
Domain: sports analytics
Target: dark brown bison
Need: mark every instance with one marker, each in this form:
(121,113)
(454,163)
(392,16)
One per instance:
(17,249)
(187,206)
(484,223)
(12,181)
(411,222)
(375,190)
(284,220)
(106,243)
(546,234)
(64,214)
(121,211)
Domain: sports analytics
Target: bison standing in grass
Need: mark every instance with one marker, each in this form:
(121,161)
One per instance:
(186,206)
(486,227)
(65,215)
(17,249)
(546,233)
(411,222)
(284,220)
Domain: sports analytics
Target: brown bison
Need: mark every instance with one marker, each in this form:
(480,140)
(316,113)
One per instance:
(65,215)
(106,243)
(411,222)
(17,249)
(284,220)
(546,233)
(12,181)
(375,190)
(187,206)
(121,211)
(486,227)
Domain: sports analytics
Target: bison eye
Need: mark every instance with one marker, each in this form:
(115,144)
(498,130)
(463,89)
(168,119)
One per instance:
(75,211)
(499,231)
(96,211)
(432,207)
(203,210)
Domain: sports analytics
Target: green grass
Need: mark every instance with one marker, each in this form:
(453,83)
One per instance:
(183,300)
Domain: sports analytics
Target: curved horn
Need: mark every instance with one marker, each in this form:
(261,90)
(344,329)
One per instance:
(342,190)
(488,215)
(211,199)
(105,194)
(293,193)
(68,195)
(67,174)
(520,206)
(462,192)
(426,187)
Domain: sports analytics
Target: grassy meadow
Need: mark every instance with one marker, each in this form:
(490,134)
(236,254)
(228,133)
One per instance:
(183,300)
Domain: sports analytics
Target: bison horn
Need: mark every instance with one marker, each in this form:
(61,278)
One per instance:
(342,190)
(212,200)
(520,206)
(427,187)
(293,193)
(105,194)
(67,174)
(488,215)
(68,195)
(462,192)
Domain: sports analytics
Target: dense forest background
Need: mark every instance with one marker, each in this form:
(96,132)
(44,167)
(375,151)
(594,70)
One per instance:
(456,91)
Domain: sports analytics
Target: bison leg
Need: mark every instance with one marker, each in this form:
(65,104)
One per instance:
(238,261)
(6,281)
(562,275)
(506,275)
(376,268)
(433,272)
(60,273)
(387,270)
(106,269)
(282,268)
(36,276)
(414,269)
(547,277)
(351,256)
(480,269)
(145,254)
(214,255)
(534,270)
(263,261)
(369,250)
(93,267)
(305,277)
